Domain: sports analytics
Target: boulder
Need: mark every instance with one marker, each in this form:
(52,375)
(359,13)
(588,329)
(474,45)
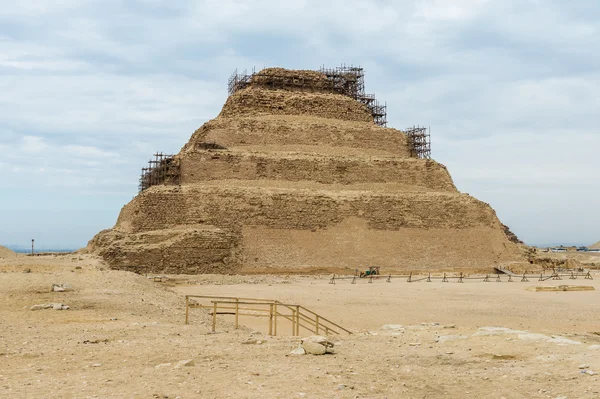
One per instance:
(317,345)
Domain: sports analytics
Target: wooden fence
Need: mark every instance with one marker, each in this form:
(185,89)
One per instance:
(275,311)
(410,278)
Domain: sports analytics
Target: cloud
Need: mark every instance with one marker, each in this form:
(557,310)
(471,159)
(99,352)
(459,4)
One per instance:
(89,89)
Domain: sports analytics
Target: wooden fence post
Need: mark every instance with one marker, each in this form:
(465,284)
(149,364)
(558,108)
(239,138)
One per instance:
(270,319)
(187,309)
(298,320)
(317,324)
(275,315)
(214,321)
(237,312)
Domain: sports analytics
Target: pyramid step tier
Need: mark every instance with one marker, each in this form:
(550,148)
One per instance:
(405,174)
(280,132)
(234,204)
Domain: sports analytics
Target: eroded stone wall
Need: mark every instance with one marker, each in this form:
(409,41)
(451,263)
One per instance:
(189,250)
(281,132)
(255,101)
(413,174)
(233,206)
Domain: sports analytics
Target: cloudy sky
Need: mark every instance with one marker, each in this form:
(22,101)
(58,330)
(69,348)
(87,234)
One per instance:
(89,89)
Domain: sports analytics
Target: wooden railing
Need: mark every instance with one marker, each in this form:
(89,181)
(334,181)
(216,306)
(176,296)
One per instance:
(275,311)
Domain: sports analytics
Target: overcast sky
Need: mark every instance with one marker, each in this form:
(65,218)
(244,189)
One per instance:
(90,89)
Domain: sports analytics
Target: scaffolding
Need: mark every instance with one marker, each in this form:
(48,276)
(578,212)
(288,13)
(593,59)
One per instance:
(162,169)
(419,142)
(345,80)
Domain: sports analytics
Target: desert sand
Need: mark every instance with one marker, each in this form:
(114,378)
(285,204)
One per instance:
(123,336)
(6,253)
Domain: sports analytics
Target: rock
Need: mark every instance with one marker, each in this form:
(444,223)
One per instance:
(42,306)
(584,366)
(319,339)
(449,326)
(298,351)
(162,365)
(55,306)
(414,344)
(341,387)
(249,341)
(96,364)
(61,287)
(314,348)
(446,338)
(392,327)
(316,345)
(184,363)
(590,372)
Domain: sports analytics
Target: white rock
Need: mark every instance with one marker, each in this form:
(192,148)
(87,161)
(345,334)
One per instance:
(590,372)
(314,348)
(163,365)
(61,287)
(55,306)
(316,345)
(584,366)
(319,339)
(42,306)
(392,327)
(524,335)
(446,338)
(298,351)
(184,363)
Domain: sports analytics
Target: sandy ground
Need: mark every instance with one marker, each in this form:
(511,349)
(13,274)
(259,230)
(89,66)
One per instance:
(124,334)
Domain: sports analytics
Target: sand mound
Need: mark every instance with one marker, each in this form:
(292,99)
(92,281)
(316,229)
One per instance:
(7,253)
(595,246)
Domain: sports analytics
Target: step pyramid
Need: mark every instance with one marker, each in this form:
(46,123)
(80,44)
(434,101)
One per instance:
(298,173)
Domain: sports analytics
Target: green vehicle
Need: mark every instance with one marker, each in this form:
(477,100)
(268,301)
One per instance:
(373,271)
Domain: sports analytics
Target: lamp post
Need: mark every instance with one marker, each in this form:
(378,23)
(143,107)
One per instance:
(32,240)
